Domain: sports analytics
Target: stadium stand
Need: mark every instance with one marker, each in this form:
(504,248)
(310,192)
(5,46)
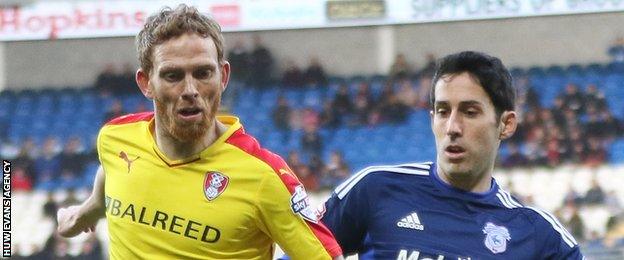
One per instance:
(68,113)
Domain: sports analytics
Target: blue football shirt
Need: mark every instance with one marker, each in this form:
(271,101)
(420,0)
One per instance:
(407,212)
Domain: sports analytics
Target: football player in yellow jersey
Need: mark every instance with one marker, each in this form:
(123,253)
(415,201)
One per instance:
(183,183)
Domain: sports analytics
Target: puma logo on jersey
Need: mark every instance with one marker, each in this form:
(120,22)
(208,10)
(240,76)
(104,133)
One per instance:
(411,221)
(124,156)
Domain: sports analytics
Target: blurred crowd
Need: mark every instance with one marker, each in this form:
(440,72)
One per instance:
(576,129)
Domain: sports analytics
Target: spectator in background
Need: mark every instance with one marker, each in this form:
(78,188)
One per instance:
(393,111)
(384,96)
(91,249)
(316,166)
(73,162)
(595,195)
(430,66)
(238,57)
(407,94)
(558,112)
(611,126)
(362,105)
(593,126)
(575,224)
(315,74)
(26,157)
(595,98)
(617,50)
(292,77)
(596,153)
(553,153)
(48,165)
(308,178)
(127,83)
(572,120)
(20,181)
(424,84)
(260,64)
(400,68)
(342,102)
(310,118)
(106,81)
(50,207)
(329,117)
(281,114)
(116,110)
(515,157)
(311,142)
(337,171)
(579,152)
(572,198)
(574,99)
(361,110)
(294,162)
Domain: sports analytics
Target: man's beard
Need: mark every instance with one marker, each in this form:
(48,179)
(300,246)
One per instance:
(183,131)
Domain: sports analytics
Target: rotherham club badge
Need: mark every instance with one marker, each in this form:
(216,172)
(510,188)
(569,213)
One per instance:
(214,184)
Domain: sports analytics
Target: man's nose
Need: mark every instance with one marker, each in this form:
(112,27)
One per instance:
(454,126)
(190,88)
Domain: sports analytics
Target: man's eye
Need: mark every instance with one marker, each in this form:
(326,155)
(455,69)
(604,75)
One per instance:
(472,112)
(441,111)
(171,76)
(202,74)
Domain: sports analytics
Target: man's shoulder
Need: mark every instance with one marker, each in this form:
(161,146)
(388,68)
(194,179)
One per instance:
(546,224)
(380,175)
(131,118)
(251,147)
(126,127)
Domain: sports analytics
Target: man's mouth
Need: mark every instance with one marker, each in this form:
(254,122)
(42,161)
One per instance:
(190,113)
(455,152)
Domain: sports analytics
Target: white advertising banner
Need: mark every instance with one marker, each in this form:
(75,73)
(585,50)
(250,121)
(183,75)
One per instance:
(87,19)
(420,11)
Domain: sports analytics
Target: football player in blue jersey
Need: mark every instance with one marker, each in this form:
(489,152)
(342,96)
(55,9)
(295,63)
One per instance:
(453,208)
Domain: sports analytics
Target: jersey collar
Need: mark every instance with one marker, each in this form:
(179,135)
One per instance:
(455,192)
(232,123)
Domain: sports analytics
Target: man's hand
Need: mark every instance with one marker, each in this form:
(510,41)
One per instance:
(75,219)
(67,219)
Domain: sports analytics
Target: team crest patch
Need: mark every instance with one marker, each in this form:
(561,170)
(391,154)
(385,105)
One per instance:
(214,184)
(300,204)
(496,237)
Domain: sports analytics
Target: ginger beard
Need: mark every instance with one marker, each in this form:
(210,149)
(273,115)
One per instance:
(187,131)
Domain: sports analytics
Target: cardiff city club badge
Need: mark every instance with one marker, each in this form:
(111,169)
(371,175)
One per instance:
(214,184)
(496,237)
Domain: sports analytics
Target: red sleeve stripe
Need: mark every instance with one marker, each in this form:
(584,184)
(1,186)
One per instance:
(251,146)
(132,118)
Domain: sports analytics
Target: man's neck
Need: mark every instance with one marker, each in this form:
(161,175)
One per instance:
(471,182)
(175,149)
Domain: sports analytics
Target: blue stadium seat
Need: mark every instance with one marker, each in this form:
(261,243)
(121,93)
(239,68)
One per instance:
(616,151)
(313,98)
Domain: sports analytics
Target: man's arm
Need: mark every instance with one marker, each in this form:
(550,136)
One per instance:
(75,219)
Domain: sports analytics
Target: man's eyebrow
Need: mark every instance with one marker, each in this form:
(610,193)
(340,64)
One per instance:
(470,103)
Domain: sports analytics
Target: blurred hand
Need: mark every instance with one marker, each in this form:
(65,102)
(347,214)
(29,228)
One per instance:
(66,218)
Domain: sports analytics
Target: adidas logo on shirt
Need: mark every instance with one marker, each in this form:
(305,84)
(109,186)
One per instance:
(411,221)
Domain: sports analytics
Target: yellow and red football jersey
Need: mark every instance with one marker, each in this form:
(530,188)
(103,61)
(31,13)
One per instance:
(230,201)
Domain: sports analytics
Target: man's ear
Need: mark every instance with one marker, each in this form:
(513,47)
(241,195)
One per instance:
(142,79)
(225,75)
(508,124)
